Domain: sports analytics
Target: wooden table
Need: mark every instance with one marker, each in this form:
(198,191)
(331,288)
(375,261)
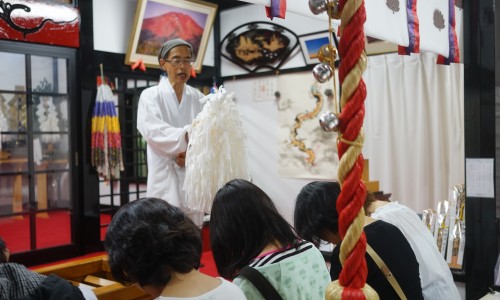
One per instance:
(41,182)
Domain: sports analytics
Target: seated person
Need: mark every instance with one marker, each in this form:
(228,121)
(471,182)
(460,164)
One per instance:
(316,218)
(18,282)
(154,245)
(437,280)
(247,230)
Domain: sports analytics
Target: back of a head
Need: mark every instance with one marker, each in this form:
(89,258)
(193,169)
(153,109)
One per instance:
(316,211)
(369,200)
(148,239)
(243,222)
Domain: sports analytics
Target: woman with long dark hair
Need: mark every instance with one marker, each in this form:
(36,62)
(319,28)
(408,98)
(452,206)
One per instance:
(247,230)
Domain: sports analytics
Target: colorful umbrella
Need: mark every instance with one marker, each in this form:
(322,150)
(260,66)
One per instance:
(106,149)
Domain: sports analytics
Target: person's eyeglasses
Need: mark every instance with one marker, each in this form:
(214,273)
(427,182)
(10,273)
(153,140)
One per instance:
(177,62)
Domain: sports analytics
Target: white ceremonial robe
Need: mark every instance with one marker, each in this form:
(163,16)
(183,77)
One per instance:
(163,123)
(435,275)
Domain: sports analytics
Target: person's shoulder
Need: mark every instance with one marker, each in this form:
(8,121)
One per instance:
(249,290)
(149,94)
(380,227)
(150,90)
(231,289)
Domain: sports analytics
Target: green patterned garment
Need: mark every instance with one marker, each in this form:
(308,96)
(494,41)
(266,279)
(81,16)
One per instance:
(295,273)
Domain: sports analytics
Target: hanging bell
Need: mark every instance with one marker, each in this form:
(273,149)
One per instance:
(329,122)
(335,12)
(319,6)
(322,72)
(327,54)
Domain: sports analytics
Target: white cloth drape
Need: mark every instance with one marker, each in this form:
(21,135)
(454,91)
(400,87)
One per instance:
(414,127)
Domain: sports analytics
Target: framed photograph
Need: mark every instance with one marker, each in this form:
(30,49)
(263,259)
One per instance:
(157,21)
(375,46)
(310,44)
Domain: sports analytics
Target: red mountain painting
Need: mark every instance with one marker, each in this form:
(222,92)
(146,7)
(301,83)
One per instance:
(157,30)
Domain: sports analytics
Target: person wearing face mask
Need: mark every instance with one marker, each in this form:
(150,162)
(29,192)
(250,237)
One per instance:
(164,117)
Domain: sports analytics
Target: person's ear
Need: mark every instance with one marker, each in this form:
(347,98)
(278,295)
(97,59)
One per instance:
(162,62)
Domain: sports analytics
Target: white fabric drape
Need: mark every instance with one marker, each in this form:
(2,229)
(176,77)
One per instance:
(414,127)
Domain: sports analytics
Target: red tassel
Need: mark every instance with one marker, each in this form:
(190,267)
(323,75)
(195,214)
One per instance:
(139,64)
(193,72)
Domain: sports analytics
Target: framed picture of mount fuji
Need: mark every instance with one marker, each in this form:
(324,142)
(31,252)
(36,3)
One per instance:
(157,21)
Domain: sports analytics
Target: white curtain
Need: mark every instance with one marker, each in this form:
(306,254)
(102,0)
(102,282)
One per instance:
(414,127)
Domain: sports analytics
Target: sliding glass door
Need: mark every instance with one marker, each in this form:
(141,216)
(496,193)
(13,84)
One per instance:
(37,158)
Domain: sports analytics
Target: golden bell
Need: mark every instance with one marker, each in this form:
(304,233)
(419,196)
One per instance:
(319,6)
(327,53)
(334,12)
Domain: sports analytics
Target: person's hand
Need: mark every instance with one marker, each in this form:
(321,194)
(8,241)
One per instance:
(180,160)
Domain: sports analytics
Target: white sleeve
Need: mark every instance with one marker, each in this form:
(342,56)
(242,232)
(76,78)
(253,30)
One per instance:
(160,135)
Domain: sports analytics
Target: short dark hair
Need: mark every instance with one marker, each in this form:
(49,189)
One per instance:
(243,222)
(316,210)
(3,250)
(370,198)
(148,239)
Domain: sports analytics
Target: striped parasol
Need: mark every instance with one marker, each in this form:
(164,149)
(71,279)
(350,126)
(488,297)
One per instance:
(106,149)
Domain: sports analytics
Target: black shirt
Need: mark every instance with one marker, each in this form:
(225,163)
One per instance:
(391,245)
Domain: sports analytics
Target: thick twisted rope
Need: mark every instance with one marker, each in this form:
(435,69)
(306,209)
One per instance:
(352,280)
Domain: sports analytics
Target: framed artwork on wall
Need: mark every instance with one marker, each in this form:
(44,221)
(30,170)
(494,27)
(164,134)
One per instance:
(310,44)
(375,46)
(157,21)
(259,45)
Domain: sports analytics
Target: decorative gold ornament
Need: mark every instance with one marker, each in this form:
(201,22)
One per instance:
(330,6)
(327,54)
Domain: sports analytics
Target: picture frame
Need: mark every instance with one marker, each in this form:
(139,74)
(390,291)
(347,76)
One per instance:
(310,44)
(259,45)
(147,37)
(375,46)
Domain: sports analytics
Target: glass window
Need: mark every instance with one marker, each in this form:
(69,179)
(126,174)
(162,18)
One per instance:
(13,71)
(14,190)
(14,153)
(50,113)
(51,151)
(36,200)
(16,233)
(53,229)
(13,116)
(48,74)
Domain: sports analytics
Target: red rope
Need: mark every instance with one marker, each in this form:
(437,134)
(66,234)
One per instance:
(352,197)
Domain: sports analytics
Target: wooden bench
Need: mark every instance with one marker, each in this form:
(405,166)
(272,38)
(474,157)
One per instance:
(95,273)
